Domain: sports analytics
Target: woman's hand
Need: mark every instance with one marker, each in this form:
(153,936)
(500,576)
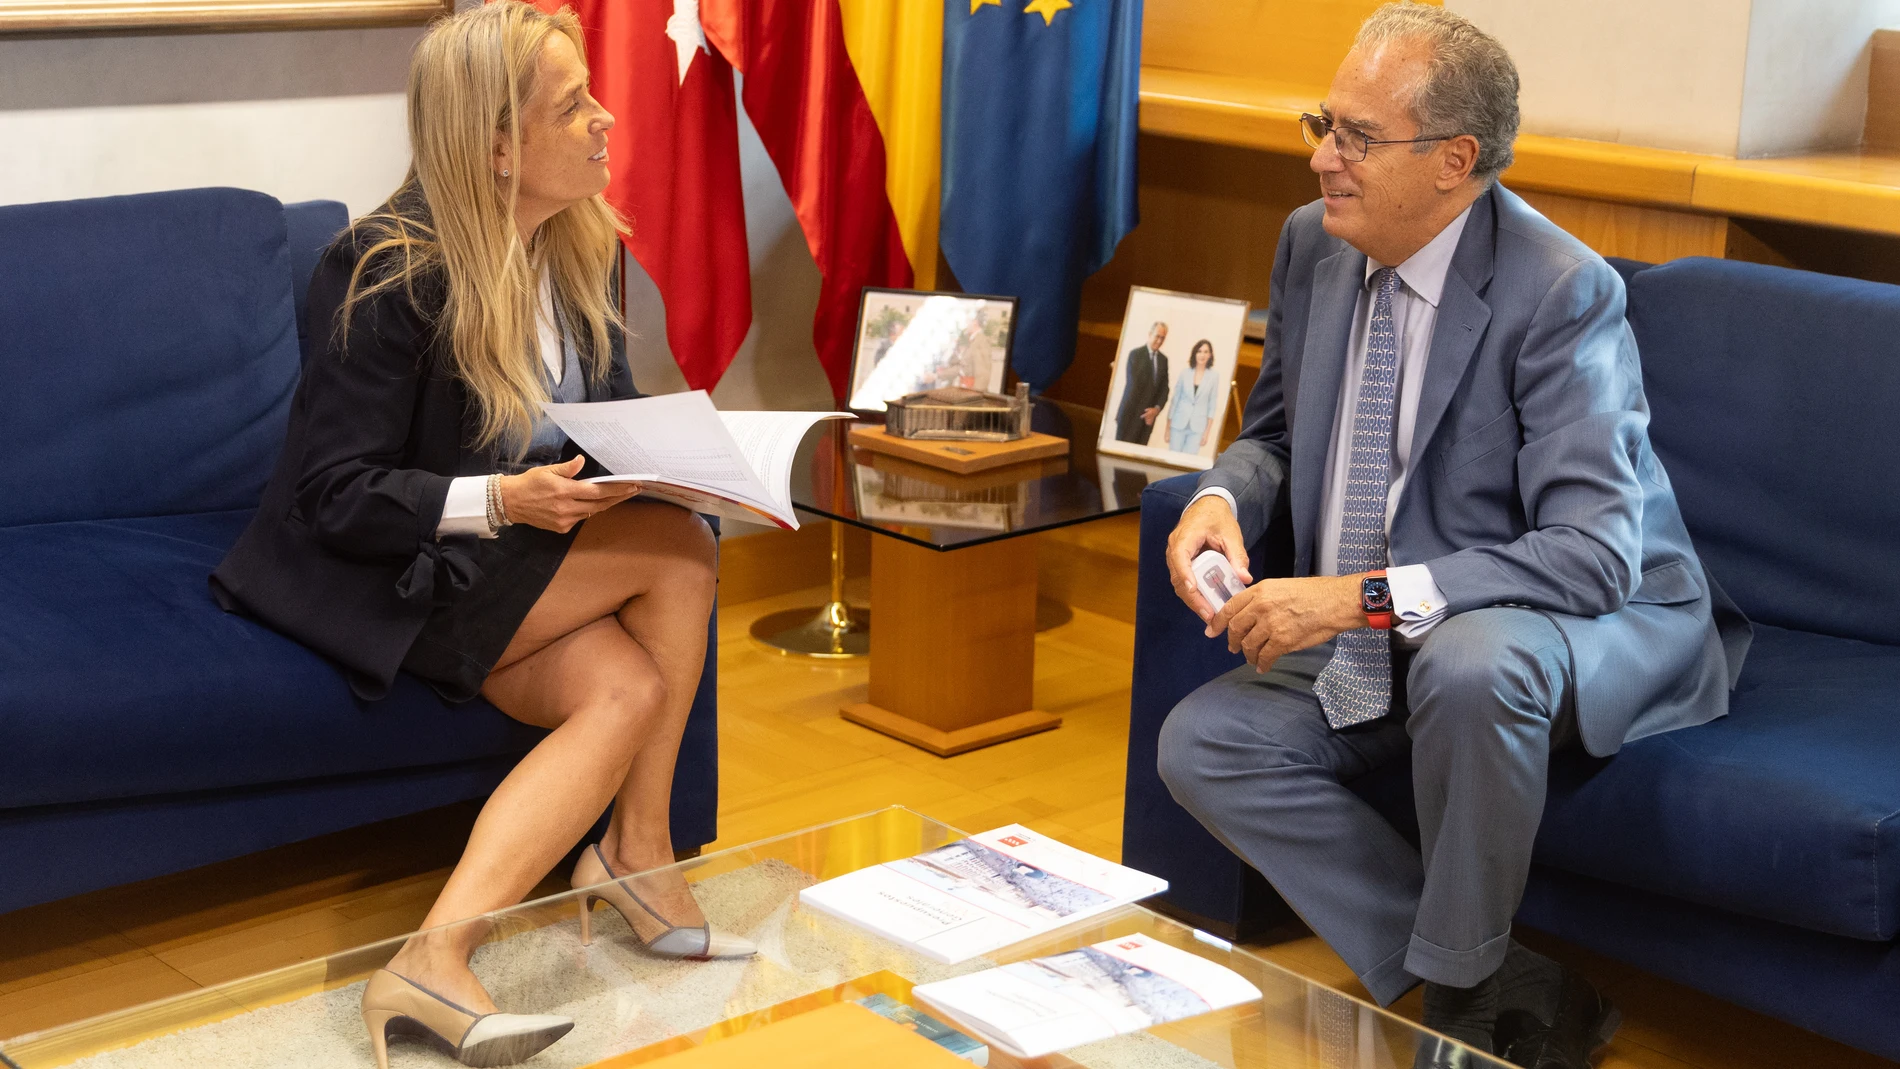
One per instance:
(552,499)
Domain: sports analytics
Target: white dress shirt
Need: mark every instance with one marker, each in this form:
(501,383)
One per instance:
(466,510)
(1416,599)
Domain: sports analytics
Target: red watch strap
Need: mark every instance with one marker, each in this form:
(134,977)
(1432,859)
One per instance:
(1378,621)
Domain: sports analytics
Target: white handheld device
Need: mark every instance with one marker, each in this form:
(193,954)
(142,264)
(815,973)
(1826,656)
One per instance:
(1215,578)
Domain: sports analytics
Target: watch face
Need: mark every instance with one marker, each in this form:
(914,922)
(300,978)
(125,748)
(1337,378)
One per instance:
(1375,595)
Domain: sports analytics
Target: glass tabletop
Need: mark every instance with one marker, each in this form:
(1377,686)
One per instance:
(944,510)
(631,1008)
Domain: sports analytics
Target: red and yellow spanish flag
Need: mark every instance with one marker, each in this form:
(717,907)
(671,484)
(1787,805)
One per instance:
(844,95)
(896,47)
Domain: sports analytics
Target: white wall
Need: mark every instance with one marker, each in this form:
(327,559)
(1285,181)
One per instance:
(1727,77)
(1807,73)
(297,115)
(319,114)
(1639,72)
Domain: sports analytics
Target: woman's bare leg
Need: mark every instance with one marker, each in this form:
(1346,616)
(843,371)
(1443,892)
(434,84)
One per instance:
(640,835)
(616,697)
(663,557)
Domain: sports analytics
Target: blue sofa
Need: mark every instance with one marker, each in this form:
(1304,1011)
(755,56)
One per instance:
(1756,858)
(149,346)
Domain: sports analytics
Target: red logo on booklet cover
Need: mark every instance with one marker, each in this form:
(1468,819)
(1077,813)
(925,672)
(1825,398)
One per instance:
(1012,840)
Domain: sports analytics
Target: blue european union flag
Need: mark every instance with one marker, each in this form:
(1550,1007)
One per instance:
(1039,125)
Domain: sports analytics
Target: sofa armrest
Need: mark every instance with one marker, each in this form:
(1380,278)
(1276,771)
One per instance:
(1208,885)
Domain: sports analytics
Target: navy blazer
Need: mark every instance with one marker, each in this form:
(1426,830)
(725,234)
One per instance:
(342,554)
(1533,482)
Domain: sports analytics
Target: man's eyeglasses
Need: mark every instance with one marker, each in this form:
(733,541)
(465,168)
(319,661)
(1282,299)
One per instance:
(1352,144)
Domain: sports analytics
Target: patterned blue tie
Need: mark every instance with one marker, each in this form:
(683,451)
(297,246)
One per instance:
(1356,685)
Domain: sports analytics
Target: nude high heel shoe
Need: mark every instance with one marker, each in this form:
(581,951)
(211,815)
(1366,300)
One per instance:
(395,1005)
(699,943)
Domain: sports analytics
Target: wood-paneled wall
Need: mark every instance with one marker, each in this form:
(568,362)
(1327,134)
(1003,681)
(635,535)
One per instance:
(1295,42)
(1222,166)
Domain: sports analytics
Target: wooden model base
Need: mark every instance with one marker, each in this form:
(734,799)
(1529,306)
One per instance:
(959,456)
(953,656)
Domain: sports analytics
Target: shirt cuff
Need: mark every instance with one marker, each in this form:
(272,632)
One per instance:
(466,510)
(1221,492)
(1416,599)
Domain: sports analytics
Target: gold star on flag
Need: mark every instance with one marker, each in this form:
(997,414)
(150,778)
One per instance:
(974,4)
(1047,9)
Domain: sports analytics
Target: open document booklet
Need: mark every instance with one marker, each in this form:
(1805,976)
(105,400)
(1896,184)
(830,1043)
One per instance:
(977,894)
(1031,1008)
(681,449)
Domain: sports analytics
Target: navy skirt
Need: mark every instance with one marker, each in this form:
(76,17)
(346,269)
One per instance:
(461,641)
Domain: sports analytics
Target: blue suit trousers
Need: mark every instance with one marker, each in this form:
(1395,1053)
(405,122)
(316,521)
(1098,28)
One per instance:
(1477,709)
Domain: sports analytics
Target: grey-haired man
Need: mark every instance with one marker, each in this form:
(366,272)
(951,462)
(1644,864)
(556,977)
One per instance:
(1489,561)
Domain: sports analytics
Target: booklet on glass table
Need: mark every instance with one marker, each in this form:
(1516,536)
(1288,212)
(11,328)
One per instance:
(681,449)
(977,894)
(1031,1008)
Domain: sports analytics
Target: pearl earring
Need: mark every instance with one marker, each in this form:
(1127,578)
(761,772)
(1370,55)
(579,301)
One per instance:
(504,174)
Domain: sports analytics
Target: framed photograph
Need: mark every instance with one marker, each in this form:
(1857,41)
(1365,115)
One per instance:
(1174,372)
(909,340)
(113,16)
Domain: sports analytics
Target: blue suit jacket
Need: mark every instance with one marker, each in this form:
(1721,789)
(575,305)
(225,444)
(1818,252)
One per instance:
(1533,482)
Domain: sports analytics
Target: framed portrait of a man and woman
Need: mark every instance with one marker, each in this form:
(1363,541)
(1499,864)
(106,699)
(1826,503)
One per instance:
(1174,372)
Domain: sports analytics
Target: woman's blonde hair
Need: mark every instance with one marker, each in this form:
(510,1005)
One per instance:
(470,77)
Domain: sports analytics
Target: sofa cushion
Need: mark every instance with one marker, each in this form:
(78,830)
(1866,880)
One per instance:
(149,353)
(1773,395)
(1787,809)
(125,679)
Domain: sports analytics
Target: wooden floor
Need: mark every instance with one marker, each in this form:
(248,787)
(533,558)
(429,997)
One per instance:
(786,761)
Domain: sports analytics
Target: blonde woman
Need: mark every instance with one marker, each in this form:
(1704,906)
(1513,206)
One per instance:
(425,516)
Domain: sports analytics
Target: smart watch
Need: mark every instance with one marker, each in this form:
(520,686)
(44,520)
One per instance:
(1375,599)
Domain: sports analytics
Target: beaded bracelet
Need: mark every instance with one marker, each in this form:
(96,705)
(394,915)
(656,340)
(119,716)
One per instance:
(497,512)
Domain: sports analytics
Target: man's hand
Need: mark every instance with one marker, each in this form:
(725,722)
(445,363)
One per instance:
(1148,414)
(1207,524)
(552,499)
(1274,617)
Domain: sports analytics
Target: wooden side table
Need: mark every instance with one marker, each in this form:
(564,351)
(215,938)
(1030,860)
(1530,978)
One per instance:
(953,648)
(953,655)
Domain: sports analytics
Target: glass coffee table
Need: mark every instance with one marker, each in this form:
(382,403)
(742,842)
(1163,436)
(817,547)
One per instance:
(953,575)
(632,1009)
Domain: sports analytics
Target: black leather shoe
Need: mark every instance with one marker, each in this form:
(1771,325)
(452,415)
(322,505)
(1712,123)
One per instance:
(1583,1023)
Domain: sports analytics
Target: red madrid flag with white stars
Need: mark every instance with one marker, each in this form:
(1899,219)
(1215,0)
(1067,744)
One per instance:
(674,158)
